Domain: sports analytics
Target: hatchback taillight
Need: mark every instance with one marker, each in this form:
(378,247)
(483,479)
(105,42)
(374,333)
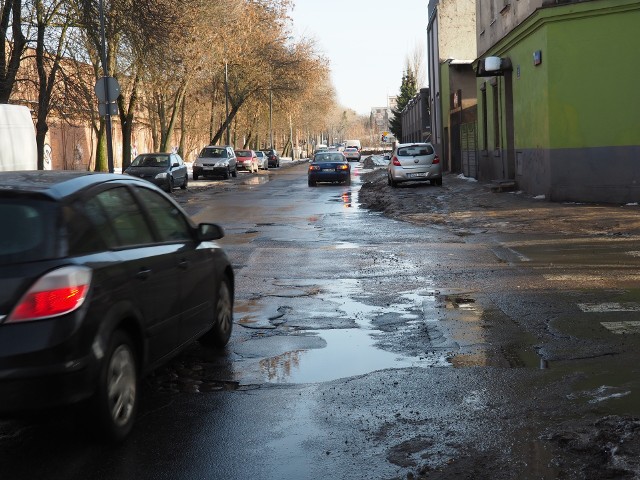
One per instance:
(436,159)
(395,161)
(57,293)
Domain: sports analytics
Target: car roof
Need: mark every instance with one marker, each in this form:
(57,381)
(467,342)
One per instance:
(399,145)
(57,184)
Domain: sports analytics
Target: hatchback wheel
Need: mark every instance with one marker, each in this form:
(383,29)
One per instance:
(226,174)
(170,185)
(195,176)
(312,183)
(116,400)
(185,183)
(392,182)
(220,332)
(234,174)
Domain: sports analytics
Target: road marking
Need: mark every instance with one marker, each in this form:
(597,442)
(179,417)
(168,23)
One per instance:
(573,278)
(609,307)
(622,328)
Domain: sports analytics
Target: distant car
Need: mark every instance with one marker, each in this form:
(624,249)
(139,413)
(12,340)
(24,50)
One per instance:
(104,278)
(166,170)
(320,150)
(414,162)
(329,167)
(215,161)
(274,158)
(247,160)
(352,153)
(263,160)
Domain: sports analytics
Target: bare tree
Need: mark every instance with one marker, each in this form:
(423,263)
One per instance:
(416,62)
(12,45)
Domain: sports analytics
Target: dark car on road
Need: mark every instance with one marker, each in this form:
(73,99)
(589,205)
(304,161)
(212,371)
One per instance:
(104,277)
(274,158)
(329,167)
(166,170)
(216,161)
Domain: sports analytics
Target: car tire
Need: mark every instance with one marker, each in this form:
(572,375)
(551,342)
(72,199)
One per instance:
(226,174)
(347,181)
(185,183)
(438,182)
(170,185)
(392,182)
(195,176)
(116,400)
(234,174)
(312,183)
(220,331)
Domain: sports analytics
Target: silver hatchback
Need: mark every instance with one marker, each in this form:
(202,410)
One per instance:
(414,162)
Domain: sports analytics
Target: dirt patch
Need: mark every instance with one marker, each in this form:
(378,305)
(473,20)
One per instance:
(466,206)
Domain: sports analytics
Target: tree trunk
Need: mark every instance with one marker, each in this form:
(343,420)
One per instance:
(183,127)
(126,121)
(101,149)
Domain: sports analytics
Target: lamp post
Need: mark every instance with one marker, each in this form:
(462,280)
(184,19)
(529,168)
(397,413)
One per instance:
(107,117)
(226,98)
(270,118)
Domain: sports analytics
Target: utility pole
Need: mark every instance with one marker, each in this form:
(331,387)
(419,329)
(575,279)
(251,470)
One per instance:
(226,99)
(107,117)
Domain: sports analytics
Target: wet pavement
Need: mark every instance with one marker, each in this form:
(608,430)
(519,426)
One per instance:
(419,332)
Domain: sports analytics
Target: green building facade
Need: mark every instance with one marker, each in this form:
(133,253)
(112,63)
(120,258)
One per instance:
(562,117)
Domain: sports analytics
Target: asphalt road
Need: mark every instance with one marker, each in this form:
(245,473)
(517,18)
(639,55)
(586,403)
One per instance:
(441,332)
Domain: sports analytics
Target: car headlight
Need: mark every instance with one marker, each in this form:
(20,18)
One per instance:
(161,176)
(222,164)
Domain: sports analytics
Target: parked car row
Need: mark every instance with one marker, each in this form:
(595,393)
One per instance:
(168,170)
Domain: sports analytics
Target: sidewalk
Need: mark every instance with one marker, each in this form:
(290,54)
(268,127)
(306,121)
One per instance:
(467,206)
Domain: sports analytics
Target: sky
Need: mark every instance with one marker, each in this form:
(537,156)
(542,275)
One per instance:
(367,43)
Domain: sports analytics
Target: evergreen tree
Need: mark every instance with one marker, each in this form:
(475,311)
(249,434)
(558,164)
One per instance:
(408,90)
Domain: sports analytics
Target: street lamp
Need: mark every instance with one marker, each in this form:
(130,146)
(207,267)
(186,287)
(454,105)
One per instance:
(226,98)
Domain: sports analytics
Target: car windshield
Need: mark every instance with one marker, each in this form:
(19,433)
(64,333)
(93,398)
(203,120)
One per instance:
(259,154)
(329,157)
(243,153)
(151,161)
(415,150)
(209,152)
(30,236)
(350,149)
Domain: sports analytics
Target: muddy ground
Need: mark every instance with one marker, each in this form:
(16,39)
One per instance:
(597,447)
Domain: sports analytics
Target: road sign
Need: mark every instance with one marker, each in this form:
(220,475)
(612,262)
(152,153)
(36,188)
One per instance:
(107,85)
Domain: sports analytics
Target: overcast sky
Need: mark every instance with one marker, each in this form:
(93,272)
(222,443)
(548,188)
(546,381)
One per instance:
(366,41)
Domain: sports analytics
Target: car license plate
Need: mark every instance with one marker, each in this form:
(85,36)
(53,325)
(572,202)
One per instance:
(328,169)
(207,168)
(412,175)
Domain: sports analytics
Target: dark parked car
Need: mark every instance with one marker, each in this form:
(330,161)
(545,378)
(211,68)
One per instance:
(274,158)
(329,167)
(104,277)
(166,170)
(216,161)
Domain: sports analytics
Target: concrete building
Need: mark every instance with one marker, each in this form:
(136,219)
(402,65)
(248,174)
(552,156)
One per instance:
(557,97)
(451,36)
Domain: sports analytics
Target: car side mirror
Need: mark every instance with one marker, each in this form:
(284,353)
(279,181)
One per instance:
(175,165)
(209,231)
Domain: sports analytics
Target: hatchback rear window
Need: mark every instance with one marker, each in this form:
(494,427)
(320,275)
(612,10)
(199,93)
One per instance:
(213,153)
(415,150)
(241,153)
(30,230)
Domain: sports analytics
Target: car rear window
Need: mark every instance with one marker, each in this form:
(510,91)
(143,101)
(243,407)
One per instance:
(151,161)
(241,153)
(329,157)
(30,230)
(415,150)
(208,152)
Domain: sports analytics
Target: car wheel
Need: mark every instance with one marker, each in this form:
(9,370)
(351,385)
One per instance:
(195,176)
(170,185)
(312,183)
(220,332)
(226,173)
(185,183)
(438,182)
(347,181)
(234,174)
(116,400)
(392,182)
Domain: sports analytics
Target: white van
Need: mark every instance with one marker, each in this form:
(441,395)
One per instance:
(17,139)
(353,143)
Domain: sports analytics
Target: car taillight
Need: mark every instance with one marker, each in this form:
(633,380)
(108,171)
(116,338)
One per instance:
(343,167)
(436,159)
(395,161)
(314,167)
(57,293)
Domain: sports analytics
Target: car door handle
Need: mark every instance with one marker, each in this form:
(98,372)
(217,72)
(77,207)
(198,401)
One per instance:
(184,263)
(143,274)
